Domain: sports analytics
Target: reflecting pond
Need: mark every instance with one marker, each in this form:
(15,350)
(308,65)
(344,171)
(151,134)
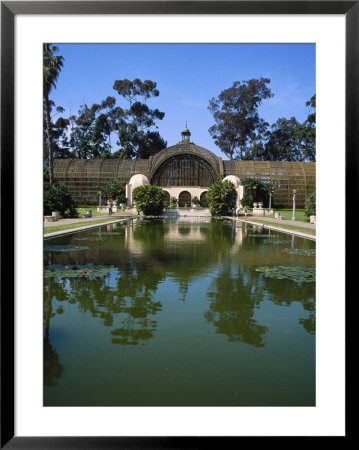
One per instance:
(179,313)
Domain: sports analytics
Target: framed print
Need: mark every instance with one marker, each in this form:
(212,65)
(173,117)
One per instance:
(122,399)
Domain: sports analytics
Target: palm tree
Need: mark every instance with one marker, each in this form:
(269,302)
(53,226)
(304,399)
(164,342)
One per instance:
(52,65)
(270,188)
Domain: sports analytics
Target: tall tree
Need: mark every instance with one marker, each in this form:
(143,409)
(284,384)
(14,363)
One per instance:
(235,112)
(101,134)
(52,64)
(136,139)
(286,141)
(149,144)
(82,139)
(58,128)
(310,130)
(255,147)
(112,115)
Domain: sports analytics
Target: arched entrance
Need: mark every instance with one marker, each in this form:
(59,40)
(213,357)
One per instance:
(167,198)
(184,199)
(203,200)
(184,170)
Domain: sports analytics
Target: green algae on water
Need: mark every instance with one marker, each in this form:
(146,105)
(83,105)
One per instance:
(77,271)
(298,274)
(64,248)
(299,251)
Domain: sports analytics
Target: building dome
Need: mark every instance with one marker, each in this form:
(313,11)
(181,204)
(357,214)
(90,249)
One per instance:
(139,179)
(235,180)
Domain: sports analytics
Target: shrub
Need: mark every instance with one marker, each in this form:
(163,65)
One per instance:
(256,190)
(196,201)
(173,202)
(221,197)
(310,205)
(247,200)
(114,190)
(149,199)
(57,198)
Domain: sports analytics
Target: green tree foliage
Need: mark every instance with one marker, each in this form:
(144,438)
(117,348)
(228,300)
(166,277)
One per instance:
(255,191)
(196,201)
(221,197)
(310,130)
(137,143)
(114,190)
(46,176)
(235,112)
(255,147)
(135,138)
(82,139)
(58,128)
(149,144)
(149,199)
(113,115)
(173,202)
(52,64)
(310,205)
(100,135)
(57,198)
(92,128)
(286,141)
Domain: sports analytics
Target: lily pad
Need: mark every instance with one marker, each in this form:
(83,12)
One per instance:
(77,271)
(64,248)
(298,274)
(299,251)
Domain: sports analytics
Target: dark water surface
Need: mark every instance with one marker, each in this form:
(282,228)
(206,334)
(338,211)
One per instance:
(179,316)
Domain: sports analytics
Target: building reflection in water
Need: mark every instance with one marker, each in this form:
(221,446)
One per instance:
(182,252)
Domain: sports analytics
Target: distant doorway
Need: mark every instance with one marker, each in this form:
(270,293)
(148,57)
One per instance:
(167,198)
(203,200)
(184,199)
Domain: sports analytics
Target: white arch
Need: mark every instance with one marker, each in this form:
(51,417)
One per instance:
(235,180)
(238,185)
(136,180)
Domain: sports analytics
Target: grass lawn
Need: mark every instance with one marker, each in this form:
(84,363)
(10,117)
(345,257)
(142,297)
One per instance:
(288,213)
(81,209)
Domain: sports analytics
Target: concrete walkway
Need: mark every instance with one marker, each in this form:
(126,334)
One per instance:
(85,224)
(295,223)
(266,222)
(275,224)
(80,221)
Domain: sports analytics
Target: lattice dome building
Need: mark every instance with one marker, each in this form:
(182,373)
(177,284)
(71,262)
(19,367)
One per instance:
(184,170)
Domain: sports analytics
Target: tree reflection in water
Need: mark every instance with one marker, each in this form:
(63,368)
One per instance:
(233,299)
(126,299)
(125,306)
(53,370)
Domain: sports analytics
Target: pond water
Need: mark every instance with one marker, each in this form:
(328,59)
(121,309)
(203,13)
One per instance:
(179,313)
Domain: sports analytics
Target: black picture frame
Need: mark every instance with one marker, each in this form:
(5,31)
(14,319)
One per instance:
(9,9)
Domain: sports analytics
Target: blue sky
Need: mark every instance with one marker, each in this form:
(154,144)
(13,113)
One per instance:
(187,76)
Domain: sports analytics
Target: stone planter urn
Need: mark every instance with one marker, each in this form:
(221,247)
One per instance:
(255,205)
(260,205)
